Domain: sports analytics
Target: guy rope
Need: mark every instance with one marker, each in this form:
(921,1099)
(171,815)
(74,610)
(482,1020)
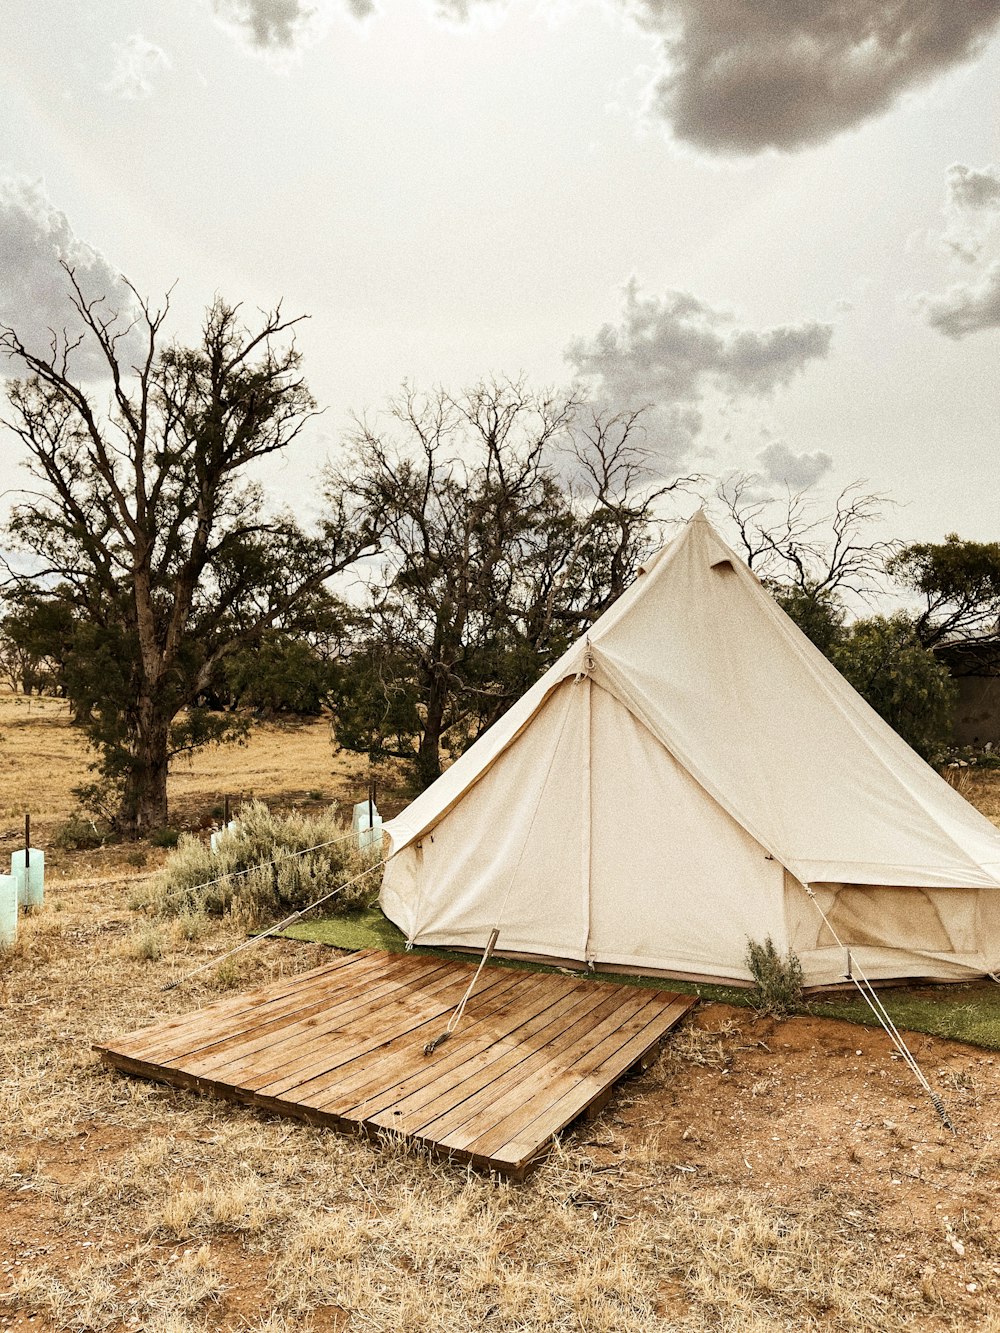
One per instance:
(288,920)
(867,991)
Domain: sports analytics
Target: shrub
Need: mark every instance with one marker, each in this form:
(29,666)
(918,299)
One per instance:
(261,870)
(884,660)
(147,947)
(779,980)
(164,837)
(80,833)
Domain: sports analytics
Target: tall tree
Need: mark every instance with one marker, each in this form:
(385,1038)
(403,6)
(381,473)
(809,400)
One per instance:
(958,583)
(510,521)
(143,518)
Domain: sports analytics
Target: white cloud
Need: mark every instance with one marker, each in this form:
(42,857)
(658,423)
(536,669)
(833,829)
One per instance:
(137,63)
(972,188)
(281,29)
(972,205)
(778,463)
(673,350)
(34,291)
(463,11)
(966,307)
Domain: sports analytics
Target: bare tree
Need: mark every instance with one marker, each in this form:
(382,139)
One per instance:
(785,541)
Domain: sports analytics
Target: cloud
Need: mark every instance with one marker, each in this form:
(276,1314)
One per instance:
(462,11)
(137,63)
(742,77)
(34,292)
(971,188)
(972,204)
(281,29)
(966,307)
(673,350)
(780,464)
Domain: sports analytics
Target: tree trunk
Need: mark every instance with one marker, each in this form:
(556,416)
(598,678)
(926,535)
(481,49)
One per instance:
(429,751)
(143,805)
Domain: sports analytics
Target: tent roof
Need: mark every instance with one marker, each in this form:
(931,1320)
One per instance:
(704,657)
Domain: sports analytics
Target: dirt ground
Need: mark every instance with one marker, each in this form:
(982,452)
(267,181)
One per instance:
(761,1175)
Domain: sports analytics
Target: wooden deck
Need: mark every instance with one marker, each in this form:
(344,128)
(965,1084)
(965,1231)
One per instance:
(343,1046)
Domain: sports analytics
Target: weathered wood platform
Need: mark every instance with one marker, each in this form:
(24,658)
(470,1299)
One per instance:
(343,1046)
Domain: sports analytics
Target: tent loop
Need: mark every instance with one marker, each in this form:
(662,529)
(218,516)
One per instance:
(856,974)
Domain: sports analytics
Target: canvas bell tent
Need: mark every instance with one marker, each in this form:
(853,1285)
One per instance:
(669,787)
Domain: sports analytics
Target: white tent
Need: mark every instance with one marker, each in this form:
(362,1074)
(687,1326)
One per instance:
(667,789)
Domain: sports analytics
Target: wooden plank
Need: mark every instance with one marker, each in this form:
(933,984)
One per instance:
(343,1046)
(303,1029)
(495,1080)
(347,982)
(427,1006)
(470,1119)
(541,1116)
(361,1092)
(225,1015)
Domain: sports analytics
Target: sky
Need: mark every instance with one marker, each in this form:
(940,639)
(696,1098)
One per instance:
(777,223)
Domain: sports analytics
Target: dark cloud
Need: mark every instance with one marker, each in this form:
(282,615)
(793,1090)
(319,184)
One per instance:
(966,307)
(671,350)
(137,63)
(742,76)
(780,464)
(34,291)
(282,28)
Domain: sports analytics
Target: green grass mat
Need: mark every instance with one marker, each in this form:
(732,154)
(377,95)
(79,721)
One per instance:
(371,930)
(969,1013)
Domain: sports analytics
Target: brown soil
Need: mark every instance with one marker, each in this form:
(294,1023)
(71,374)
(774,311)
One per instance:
(761,1175)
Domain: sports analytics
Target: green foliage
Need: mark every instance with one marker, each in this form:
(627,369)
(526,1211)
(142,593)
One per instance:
(490,563)
(883,658)
(35,638)
(164,837)
(281,674)
(959,582)
(259,872)
(817,611)
(160,558)
(81,834)
(778,979)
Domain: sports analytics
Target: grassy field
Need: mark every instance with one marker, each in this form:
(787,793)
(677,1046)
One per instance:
(762,1175)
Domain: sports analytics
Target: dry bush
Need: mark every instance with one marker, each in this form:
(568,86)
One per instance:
(264,868)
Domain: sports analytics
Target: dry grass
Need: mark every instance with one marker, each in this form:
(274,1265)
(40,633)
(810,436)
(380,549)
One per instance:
(761,1176)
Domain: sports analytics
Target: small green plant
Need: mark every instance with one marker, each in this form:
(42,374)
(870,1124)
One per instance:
(778,979)
(164,837)
(80,833)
